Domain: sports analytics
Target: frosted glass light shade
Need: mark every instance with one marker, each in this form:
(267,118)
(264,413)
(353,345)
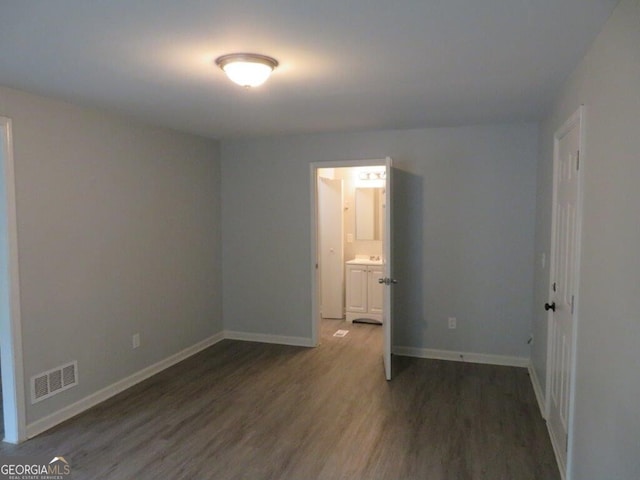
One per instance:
(247,69)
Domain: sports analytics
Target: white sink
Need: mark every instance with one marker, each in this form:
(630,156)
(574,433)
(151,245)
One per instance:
(366,260)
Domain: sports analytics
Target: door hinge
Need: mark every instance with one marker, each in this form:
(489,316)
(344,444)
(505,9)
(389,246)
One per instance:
(554,286)
(578,160)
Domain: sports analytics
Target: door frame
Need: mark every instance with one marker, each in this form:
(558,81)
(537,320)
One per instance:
(13,394)
(313,192)
(577,118)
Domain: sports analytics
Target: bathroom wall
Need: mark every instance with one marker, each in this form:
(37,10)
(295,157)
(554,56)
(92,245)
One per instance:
(355,246)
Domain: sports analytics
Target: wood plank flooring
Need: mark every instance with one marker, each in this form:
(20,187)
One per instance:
(242,410)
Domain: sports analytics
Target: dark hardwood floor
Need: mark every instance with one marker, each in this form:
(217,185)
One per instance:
(241,410)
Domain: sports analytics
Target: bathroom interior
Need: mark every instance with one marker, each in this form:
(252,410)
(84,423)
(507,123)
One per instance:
(351,216)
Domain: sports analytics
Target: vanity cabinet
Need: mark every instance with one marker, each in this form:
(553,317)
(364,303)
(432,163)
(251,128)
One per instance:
(364,293)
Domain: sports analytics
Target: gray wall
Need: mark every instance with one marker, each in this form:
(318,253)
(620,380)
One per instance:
(464,208)
(118,232)
(606,433)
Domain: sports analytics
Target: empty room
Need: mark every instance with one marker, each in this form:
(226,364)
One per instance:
(320,240)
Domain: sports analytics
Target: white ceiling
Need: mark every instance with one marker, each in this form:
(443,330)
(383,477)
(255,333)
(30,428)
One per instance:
(344,64)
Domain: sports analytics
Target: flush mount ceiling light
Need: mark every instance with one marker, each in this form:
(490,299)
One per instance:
(247,69)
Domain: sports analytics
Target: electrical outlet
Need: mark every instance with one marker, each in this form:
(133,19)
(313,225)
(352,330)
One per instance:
(349,237)
(453,323)
(135,340)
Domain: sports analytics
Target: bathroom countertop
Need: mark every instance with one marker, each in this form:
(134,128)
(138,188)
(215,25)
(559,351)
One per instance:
(364,260)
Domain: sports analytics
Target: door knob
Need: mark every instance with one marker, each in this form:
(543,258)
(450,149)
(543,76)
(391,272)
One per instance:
(551,307)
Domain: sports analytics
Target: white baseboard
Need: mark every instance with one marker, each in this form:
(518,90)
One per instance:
(267,338)
(535,382)
(461,356)
(80,406)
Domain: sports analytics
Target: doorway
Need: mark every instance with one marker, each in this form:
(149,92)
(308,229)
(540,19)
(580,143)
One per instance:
(13,398)
(351,236)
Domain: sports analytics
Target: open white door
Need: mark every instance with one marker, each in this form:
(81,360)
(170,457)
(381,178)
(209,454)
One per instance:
(331,247)
(388,280)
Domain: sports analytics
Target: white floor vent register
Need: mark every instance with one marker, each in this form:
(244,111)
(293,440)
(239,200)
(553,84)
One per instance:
(47,384)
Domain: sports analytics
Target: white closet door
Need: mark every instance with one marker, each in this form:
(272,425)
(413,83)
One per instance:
(331,248)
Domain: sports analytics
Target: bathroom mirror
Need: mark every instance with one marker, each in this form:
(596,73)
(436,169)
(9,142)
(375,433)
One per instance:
(369,205)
